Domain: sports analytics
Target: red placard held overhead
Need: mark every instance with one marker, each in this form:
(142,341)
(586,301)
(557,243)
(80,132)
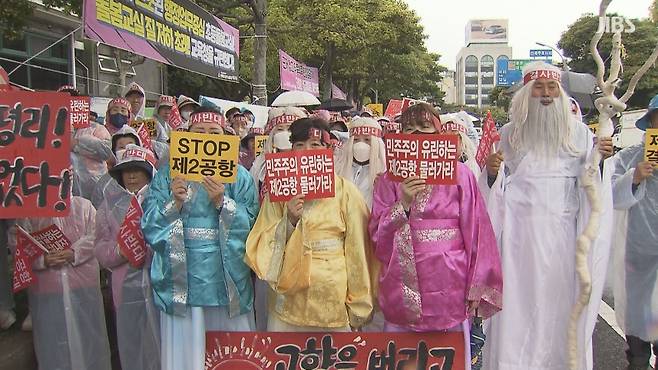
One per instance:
(489,136)
(430,157)
(35,149)
(359,351)
(307,172)
(393,108)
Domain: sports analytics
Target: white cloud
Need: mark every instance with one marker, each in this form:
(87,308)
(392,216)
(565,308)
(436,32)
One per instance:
(530,22)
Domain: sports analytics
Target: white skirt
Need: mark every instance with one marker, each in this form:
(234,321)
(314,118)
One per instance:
(184,337)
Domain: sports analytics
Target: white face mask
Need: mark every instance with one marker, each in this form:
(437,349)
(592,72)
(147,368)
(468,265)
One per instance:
(281,140)
(361,151)
(186,115)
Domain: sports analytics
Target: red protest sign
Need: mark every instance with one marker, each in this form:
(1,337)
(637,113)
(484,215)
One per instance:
(131,239)
(52,238)
(145,137)
(406,103)
(431,157)
(26,252)
(175,120)
(393,108)
(35,136)
(307,172)
(360,351)
(489,136)
(79,112)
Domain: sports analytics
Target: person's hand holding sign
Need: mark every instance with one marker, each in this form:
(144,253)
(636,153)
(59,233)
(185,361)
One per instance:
(493,163)
(295,209)
(642,171)
(215,190)
(179,190)
(411,186)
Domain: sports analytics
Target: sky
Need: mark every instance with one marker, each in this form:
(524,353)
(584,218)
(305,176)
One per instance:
(529,22)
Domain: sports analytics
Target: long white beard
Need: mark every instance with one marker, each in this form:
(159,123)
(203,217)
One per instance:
(545,131)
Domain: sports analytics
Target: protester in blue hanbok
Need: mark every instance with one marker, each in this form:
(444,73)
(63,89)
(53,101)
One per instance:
(198,232)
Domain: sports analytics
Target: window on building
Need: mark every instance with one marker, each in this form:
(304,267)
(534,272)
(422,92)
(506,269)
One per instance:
(47,71)
(471,64)
(471,80)
(487,64)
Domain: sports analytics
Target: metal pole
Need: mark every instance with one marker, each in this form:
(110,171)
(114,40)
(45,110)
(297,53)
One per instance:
(74,76)
(564,62)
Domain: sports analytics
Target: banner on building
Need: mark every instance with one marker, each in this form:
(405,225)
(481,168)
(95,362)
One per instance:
(430,157)
(311,351)
(308,172)
(195,156)
(651,147)
(298,76)
(175,32)
(35,150)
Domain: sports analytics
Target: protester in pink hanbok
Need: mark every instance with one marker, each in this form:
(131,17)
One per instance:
(437,247)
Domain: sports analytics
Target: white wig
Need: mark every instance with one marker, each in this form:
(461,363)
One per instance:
(543,136)
(377,151)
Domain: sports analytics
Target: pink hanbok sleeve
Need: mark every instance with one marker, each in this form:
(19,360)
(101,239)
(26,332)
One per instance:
(485,278)
(385,220)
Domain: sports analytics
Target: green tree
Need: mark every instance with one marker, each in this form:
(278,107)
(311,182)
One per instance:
(637,46)
(499,97)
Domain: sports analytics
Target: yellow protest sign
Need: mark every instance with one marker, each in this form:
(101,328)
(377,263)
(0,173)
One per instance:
(651,146)
(259,144)
(150,124)
(377,109)
(195,156)
(593,127)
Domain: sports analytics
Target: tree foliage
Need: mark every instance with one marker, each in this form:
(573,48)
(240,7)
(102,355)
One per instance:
(636,48)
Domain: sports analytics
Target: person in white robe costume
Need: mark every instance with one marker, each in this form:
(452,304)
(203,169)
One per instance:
(538,208)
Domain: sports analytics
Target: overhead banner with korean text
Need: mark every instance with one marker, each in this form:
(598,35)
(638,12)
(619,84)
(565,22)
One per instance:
(298,76)
(195,156)
(358,351)
(431,157)
(35,149)
(175,32)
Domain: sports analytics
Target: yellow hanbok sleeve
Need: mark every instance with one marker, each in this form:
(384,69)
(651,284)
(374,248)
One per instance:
(275,250)
(358,250)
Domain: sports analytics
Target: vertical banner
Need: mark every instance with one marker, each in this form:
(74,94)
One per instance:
(131,239)
(314,351)
(145,137)
(430,157)
(651,146)
(195,156)
(307,172)
(393,108)
(298,76)
(490,136)
(35,148)
(79,112)
(175,32)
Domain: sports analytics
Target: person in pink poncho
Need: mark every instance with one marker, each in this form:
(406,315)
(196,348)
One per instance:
(436,245)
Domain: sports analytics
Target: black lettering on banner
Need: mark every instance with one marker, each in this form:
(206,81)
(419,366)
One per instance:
(35,124)
(654,140)
(194,164)
(184,148)
(312,357)
(20,179)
